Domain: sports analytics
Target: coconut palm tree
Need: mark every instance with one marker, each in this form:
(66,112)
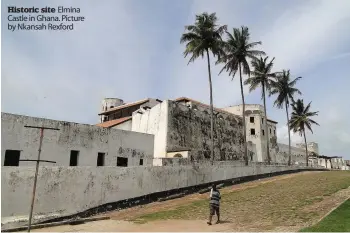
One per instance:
(200,38)
(284,88)
(301,120)
(237,50)
(261,77)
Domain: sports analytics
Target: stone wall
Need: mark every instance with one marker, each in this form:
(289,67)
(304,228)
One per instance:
(281,153)
(189,128)
(64,191)
(89,140)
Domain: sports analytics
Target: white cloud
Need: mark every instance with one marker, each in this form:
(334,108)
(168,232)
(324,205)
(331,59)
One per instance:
(282,135)
(131,50)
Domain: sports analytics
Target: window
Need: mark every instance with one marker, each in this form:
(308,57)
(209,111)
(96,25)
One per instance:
(251,119)
(122,162)
(252,131)
(270,130)
(100,159)
(141,162)
(111,106)
(74,154)
(12,157)
(262,120)
(274,132)
(263,132)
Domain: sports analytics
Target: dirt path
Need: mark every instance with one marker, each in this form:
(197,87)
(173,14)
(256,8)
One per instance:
(119,219)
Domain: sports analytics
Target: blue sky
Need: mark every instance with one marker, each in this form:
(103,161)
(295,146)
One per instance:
(131,50)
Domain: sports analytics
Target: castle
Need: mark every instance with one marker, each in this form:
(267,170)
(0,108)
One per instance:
(155,132)
(148,148)
(181,128)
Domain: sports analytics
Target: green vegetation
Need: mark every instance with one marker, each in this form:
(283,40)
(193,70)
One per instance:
(337,221)
(301,120)
(286,202)
(201,38)
(284,88)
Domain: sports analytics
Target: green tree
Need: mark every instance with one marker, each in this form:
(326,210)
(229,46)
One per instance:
(200,38)
(300,121)
(261,76)
(284,88)
(237,50)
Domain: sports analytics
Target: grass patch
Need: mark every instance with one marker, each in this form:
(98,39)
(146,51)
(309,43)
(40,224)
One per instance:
(337,221)
(280,203)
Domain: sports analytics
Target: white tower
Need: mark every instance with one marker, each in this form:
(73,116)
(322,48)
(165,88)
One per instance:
(108,103)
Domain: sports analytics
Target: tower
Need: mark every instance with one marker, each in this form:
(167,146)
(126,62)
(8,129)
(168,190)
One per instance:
(108,103)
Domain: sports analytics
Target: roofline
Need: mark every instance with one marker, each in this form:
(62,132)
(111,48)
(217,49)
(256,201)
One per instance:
(205,105)
(125,106)
(118,123)
(272,121)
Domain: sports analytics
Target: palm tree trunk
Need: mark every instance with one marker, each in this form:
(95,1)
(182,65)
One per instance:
(289,146)
(211,112)
(307,154)
(266,128)
(243,118)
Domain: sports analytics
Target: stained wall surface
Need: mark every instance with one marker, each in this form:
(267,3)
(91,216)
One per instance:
(89,140)
(69,190)
(281,153)
(189,128)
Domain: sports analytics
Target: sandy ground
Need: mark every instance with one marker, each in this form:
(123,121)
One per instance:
(119,219)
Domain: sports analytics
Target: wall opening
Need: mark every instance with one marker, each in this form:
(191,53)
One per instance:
(262,120)
(263,131)
(100,159)
(252,131)
(251,119)
(270,130)
(12,157)
(122,162)
(178,155)
(141,162)
(274,132)
(74,156)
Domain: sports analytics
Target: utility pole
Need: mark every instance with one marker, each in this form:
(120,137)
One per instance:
(37,168)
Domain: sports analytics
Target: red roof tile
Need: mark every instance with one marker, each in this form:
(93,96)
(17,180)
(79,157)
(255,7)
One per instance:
(124,106)
(109,124)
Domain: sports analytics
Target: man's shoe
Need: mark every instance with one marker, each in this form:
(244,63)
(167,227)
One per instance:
(217,222)
(209,223)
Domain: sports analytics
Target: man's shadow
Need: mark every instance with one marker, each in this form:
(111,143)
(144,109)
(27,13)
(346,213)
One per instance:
(224,221)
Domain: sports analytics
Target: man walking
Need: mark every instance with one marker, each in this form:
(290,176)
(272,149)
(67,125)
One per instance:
(214,204)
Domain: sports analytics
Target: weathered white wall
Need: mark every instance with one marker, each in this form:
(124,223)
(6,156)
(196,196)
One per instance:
(154,121)
(311,147)
(69,190)
(127,125)
(281,153)
(260,137)
(89,140)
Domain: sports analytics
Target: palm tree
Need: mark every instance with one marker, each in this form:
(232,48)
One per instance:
(237,50)
(261,76)
(301,118)
(200,38)
(285,90)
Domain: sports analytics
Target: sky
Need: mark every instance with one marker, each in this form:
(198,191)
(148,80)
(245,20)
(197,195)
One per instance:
(130,49)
